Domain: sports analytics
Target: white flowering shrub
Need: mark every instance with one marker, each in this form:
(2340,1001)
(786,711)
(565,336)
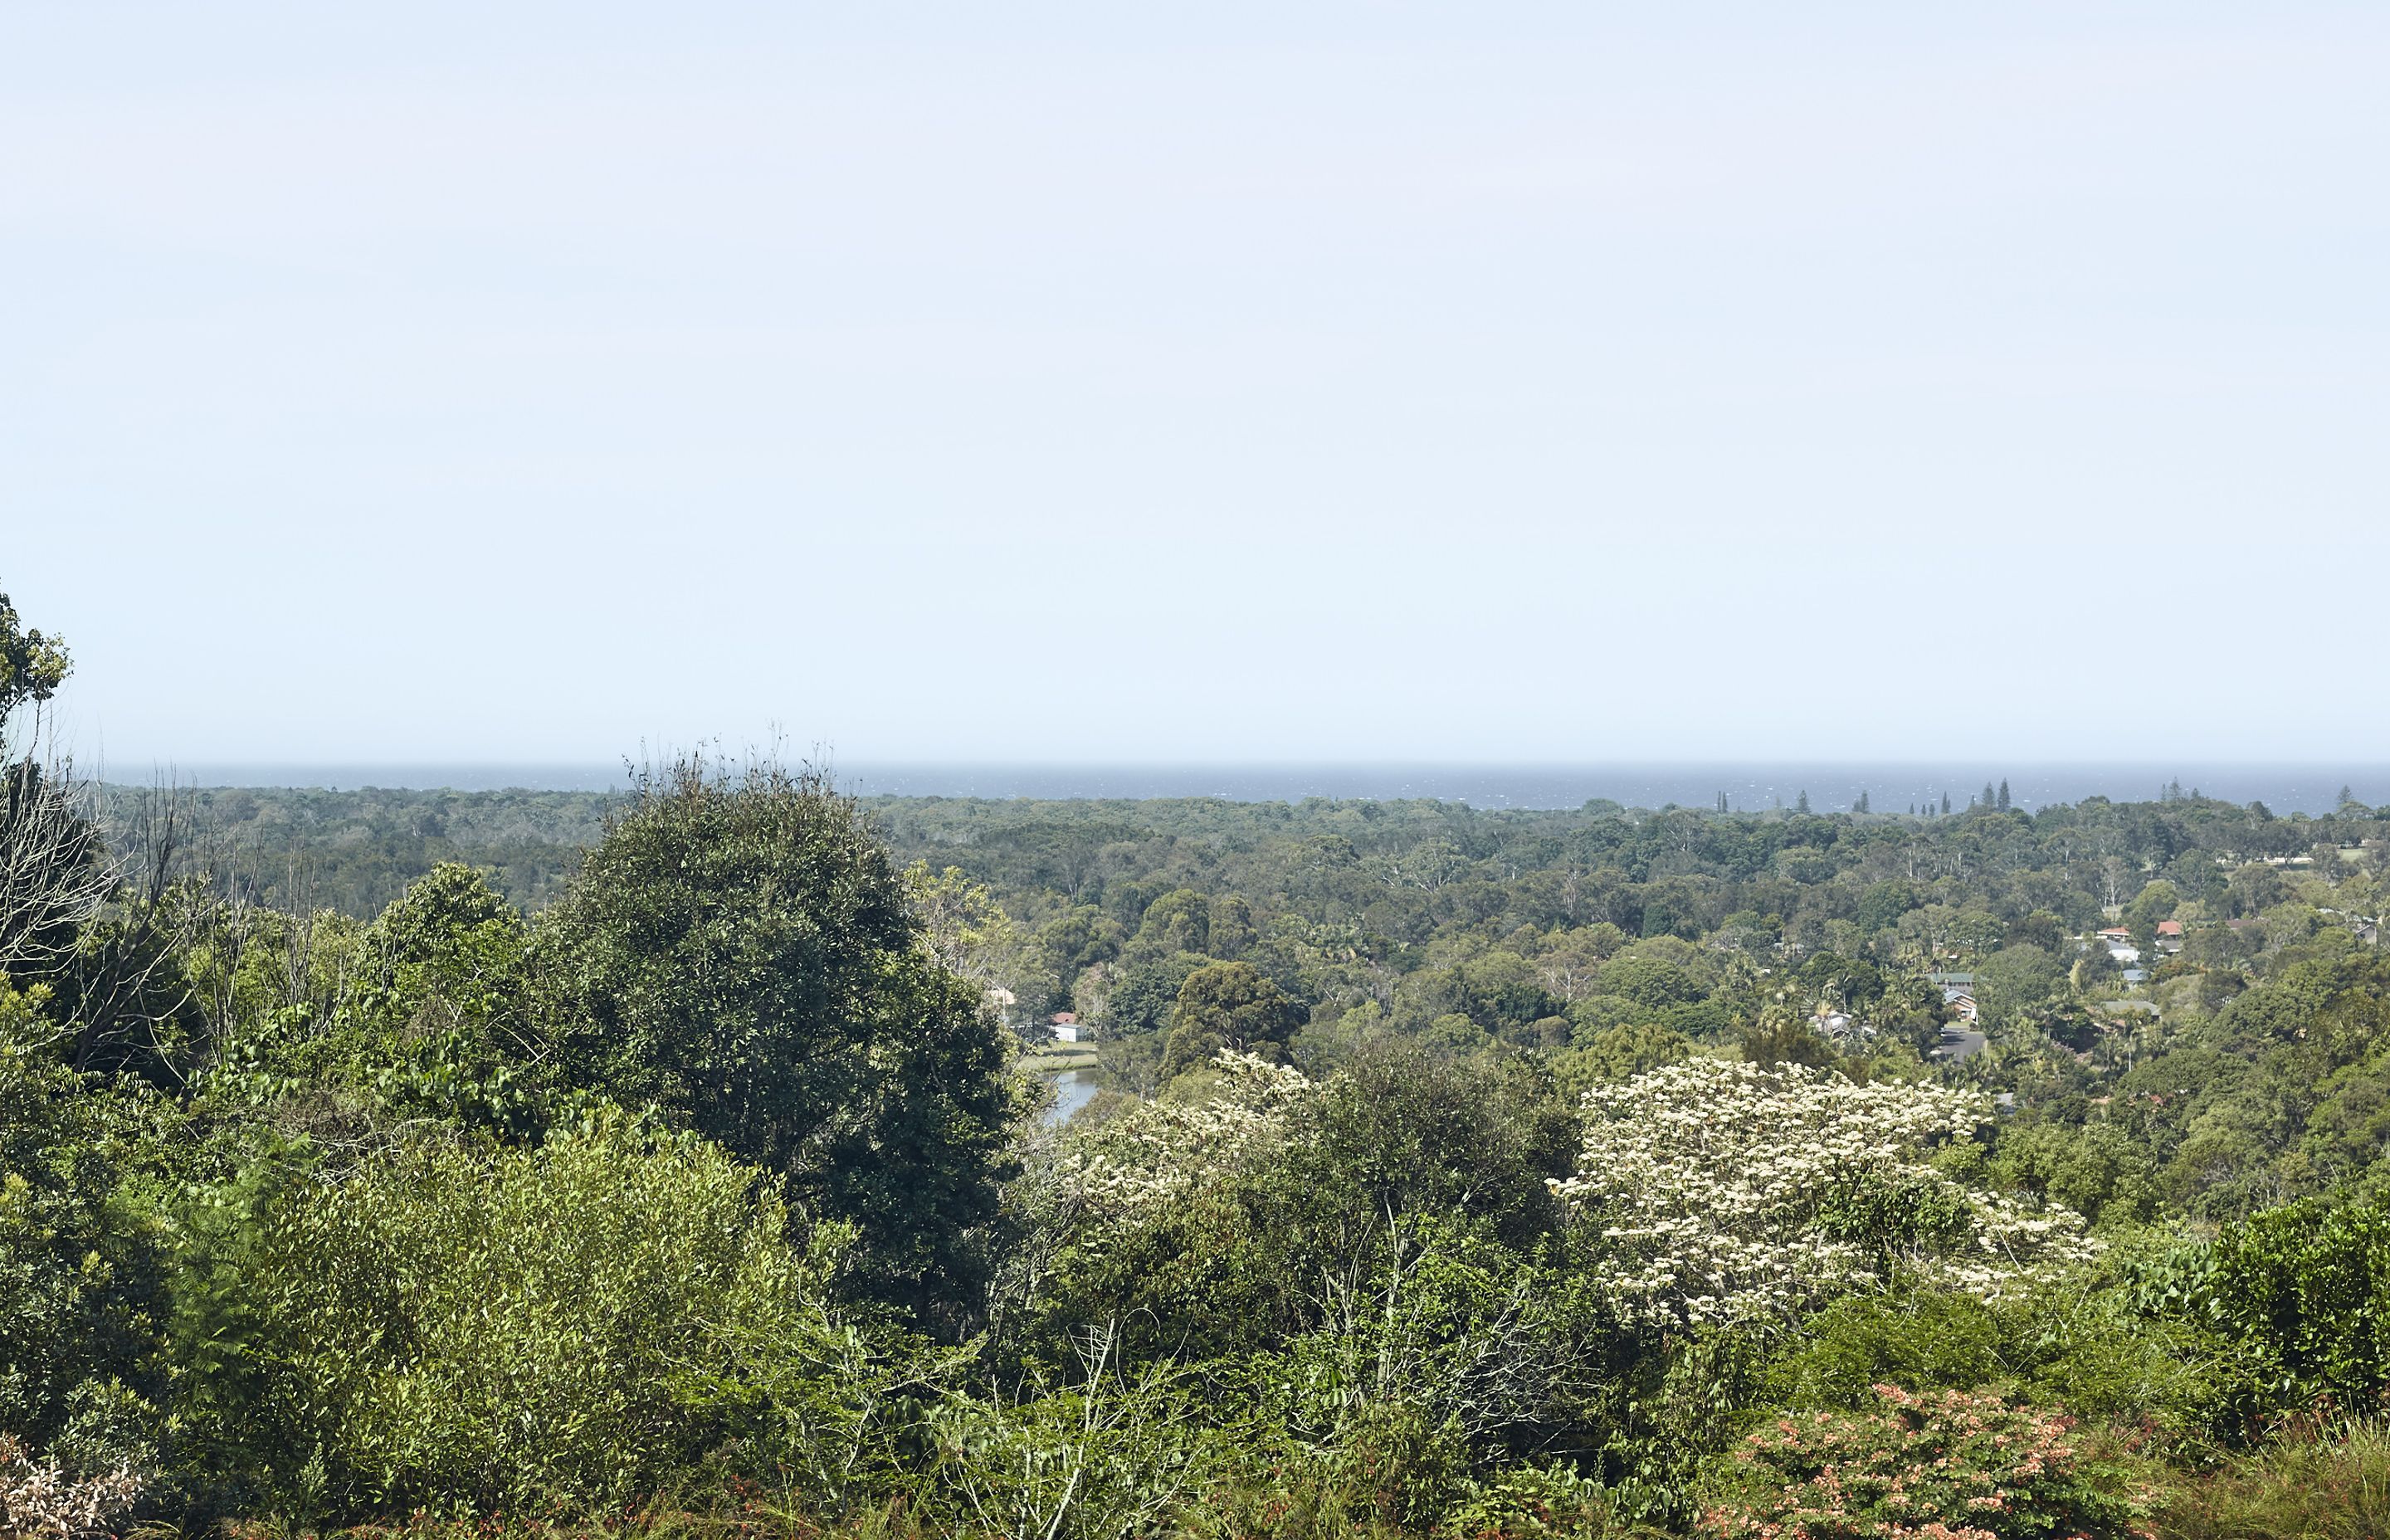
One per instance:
(1159,1151)
(1729,1192)
(37,1498)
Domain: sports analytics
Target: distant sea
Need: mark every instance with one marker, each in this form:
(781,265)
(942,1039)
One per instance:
(1890,787)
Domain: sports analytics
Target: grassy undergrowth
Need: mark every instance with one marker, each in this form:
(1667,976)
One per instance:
(2328,1487)
(2320,1486)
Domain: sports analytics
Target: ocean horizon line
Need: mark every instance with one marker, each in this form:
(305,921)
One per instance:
(1750,785)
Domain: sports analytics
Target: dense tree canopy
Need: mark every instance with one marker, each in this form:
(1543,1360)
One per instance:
(1597,1170)
(738,951)
(1227,1004)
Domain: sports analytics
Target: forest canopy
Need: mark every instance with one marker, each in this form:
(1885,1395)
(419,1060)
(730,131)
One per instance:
(690,1157)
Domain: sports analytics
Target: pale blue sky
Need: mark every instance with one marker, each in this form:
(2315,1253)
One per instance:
(1231,381)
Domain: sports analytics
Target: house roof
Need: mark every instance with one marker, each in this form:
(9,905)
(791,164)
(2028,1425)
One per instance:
(2169,928)
(1064,1019)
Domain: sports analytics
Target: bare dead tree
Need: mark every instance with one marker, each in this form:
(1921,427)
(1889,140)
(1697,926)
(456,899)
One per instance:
(164,897)
(53,872)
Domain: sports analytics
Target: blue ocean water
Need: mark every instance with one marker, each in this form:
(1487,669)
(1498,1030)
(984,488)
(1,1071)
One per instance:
(1751,786)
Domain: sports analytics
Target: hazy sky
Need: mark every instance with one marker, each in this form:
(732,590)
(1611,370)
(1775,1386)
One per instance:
(1219,381)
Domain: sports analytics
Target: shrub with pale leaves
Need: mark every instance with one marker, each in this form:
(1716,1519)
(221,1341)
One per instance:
(1729,1192)
(38,1499)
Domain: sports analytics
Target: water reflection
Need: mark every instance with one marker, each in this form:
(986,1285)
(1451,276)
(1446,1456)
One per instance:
(1072,1090)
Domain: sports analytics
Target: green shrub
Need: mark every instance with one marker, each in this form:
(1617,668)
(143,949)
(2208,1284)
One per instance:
(1254,1196)
(2075,1343)
(574,1324)
(1965,1467)
(1930,1338)
(1115,1455)
(1527,1502)
(2312,1287)
(1399,1466)
(2294,1303)
(1450,1329)
(82,1277)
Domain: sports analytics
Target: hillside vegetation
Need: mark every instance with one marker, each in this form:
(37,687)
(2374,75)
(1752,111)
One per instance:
(664,1162)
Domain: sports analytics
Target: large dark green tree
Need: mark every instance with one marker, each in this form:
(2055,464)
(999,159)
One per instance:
(737,951)
(1231,1005)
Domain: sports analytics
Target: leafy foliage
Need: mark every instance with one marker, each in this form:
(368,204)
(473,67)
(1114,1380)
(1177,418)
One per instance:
(2297,1298)
(31,666)
(41,1501)
(82,1270)
(1228,1005)
(1960,1466)
(573,1323)
(740,952)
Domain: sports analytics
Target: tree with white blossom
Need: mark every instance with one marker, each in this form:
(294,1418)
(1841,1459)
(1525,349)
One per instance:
(1726,1192)
(1160,1149)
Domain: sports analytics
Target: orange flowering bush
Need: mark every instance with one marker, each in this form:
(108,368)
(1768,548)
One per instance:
(1946,1467)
